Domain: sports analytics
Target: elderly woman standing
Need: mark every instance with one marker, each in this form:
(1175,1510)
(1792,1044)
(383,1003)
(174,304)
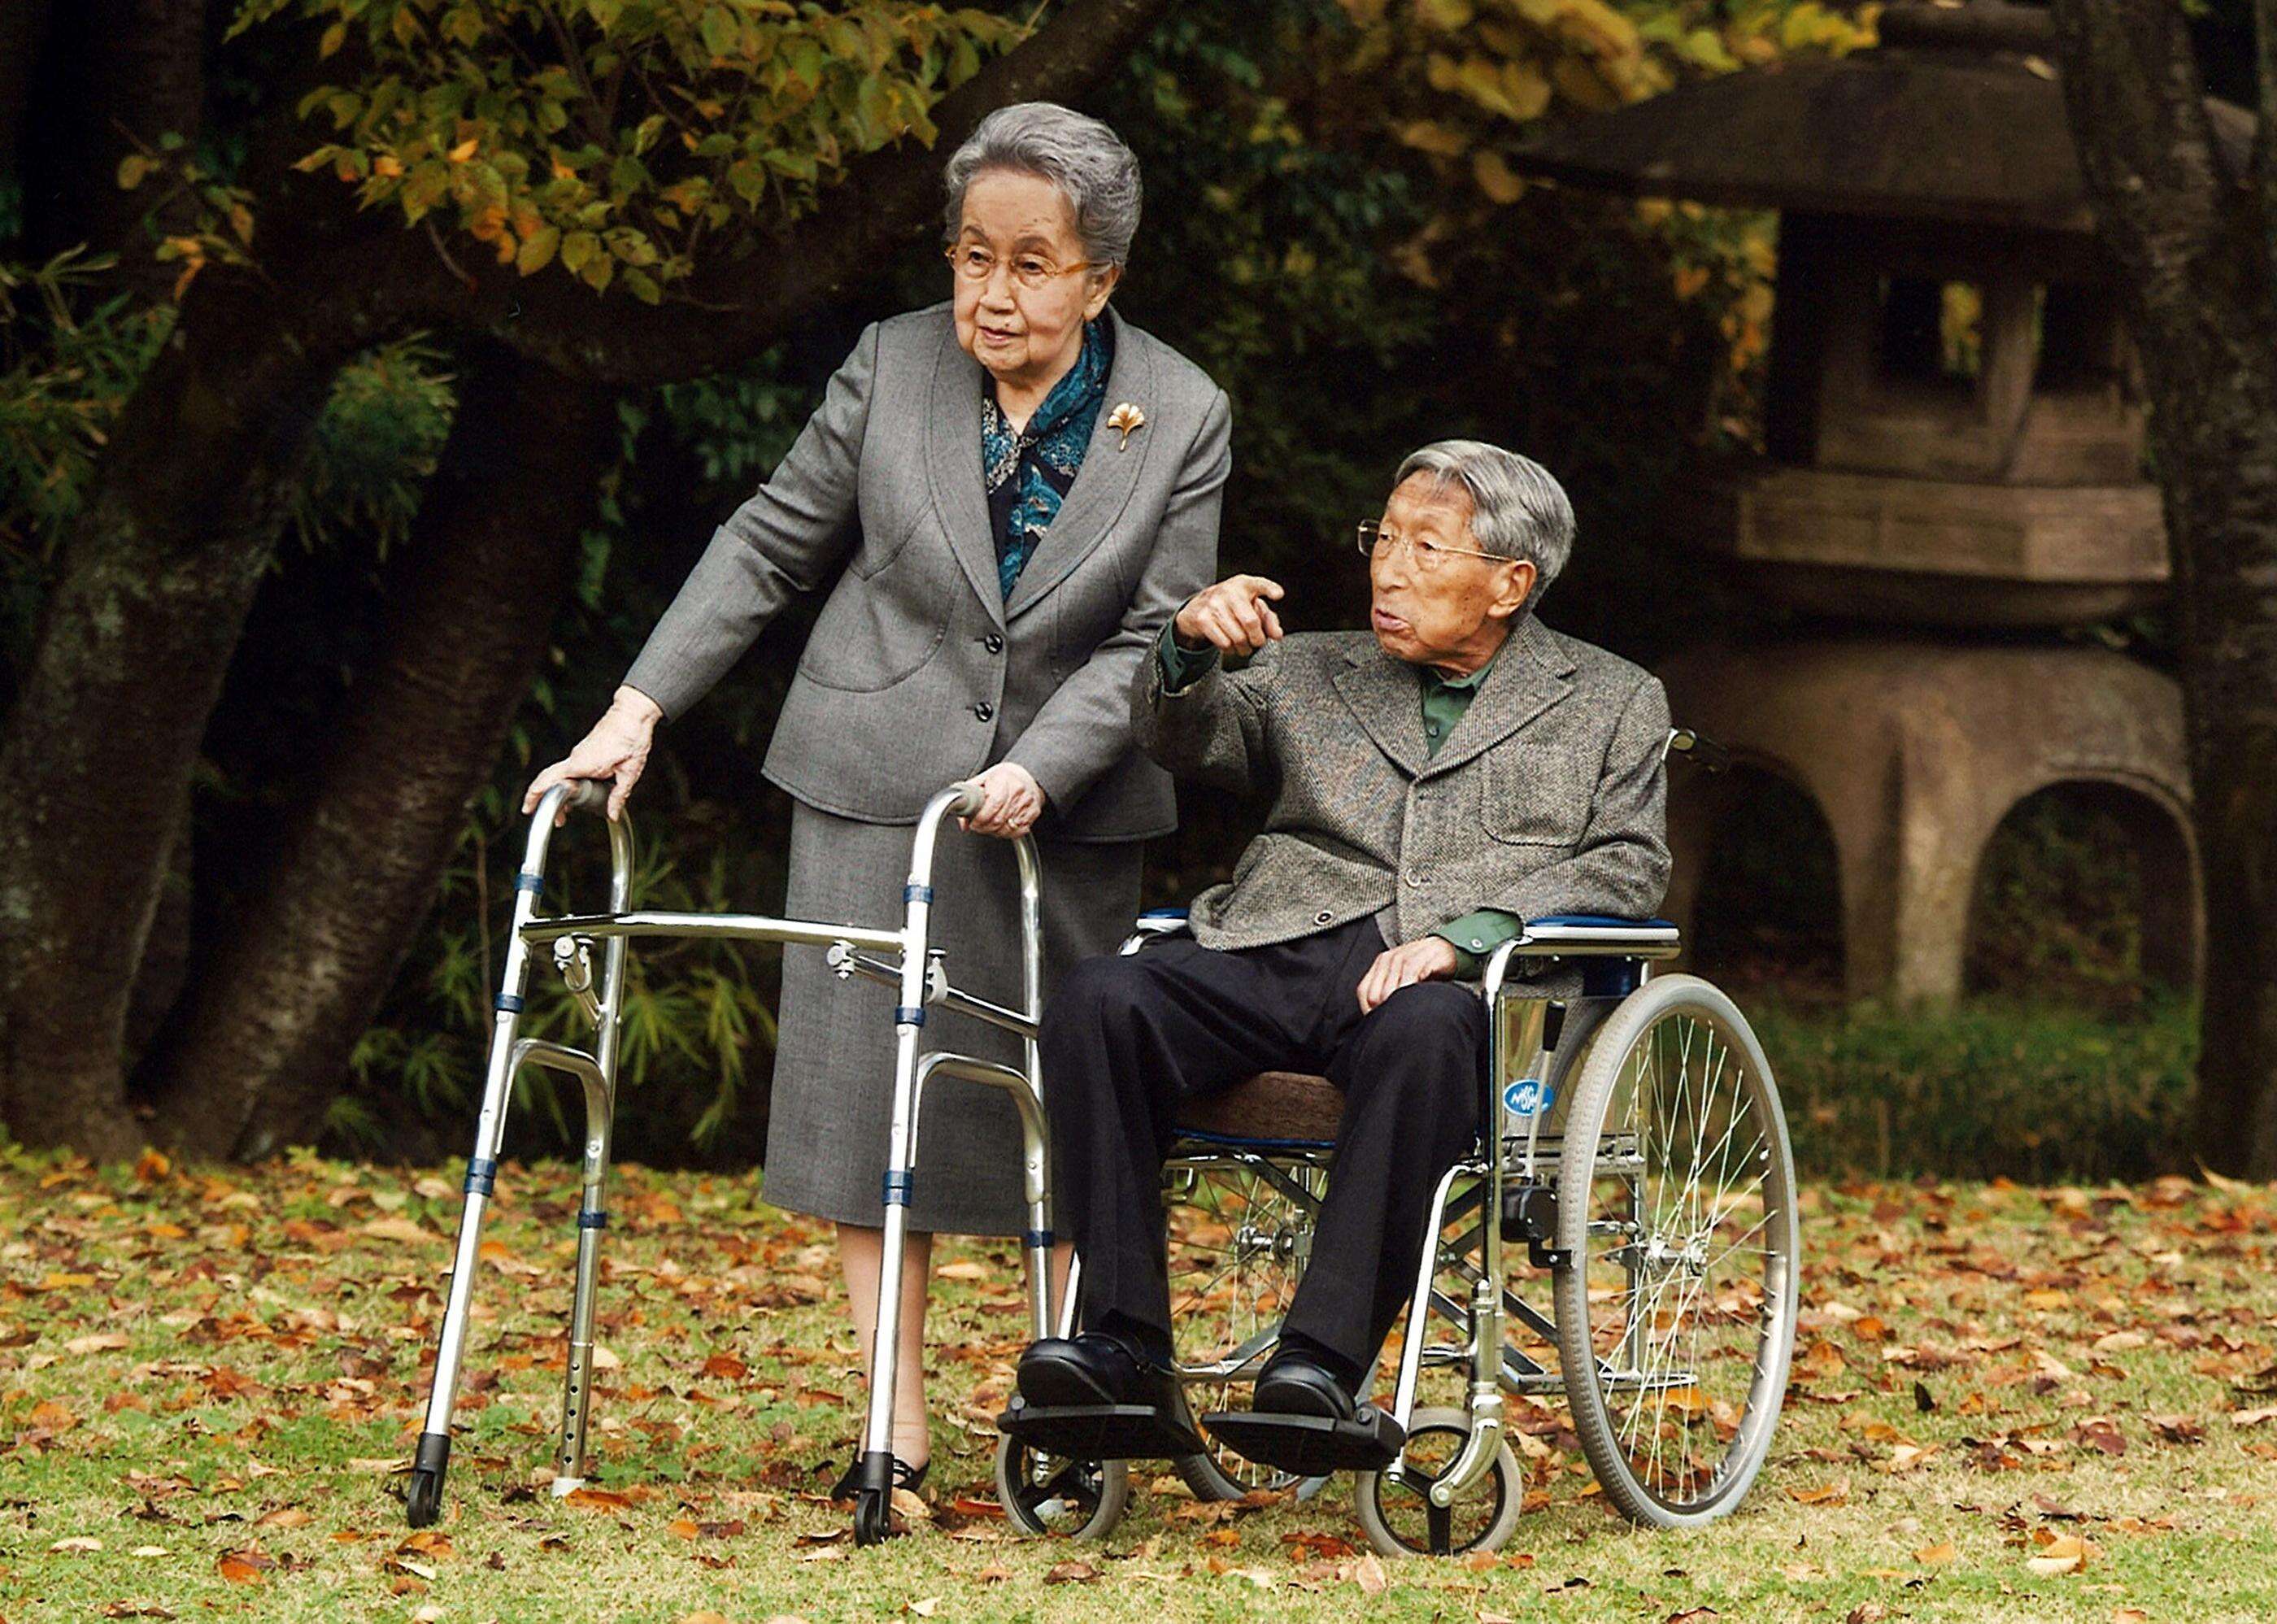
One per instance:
(1008,496)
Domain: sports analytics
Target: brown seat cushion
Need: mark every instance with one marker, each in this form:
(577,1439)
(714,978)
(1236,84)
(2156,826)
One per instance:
(1270,1105)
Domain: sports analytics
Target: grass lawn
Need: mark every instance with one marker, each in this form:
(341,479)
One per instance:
(209,1379)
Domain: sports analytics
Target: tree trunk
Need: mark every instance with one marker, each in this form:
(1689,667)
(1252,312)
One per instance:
(262,1049)
(2191,240)
(106,723)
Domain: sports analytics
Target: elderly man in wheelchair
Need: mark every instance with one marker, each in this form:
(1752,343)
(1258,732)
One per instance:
(1438,781)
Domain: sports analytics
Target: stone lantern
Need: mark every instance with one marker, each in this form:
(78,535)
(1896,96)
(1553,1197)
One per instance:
(1953,476)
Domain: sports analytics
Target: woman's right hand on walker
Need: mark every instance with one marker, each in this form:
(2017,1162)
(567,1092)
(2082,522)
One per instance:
(617,749)
(1234,617)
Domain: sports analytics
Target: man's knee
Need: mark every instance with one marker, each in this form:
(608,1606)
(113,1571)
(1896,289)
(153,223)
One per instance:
(1438,1015)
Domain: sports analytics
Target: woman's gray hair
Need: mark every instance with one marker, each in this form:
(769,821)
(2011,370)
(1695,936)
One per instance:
(1084,158)
(1518,509)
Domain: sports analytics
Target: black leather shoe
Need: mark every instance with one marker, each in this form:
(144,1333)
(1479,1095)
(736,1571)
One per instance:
(1291,1385)
(905,1476)
(1088,1368)
(1092,1398)
(1307,1422)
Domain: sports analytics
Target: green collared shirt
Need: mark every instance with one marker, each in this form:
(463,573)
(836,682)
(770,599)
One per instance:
(1445,699)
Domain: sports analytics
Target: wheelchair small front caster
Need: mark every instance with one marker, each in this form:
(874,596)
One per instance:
(1043,1495)
(1399,1519)
(423,1504)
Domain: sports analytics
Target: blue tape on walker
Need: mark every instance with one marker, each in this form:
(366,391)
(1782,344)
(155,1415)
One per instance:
(532,883)
(589,1220)
(899,1187)
(1040,1239)
(917,894)
(507,1003)
(909,1015)
(481,1176)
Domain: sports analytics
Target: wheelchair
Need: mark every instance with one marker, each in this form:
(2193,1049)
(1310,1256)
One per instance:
(1631,1140)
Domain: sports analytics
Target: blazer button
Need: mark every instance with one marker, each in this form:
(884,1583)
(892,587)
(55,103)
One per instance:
(1323,917)
(994,643)
(985,710)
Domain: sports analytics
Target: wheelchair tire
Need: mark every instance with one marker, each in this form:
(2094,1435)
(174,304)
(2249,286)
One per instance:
(1399,1519)
(1077,1500)
(1676,1159)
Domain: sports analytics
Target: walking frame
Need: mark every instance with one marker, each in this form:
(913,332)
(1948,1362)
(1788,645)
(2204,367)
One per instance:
(904,958)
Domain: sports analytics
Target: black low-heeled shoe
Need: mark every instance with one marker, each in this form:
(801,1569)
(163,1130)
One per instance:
(905,1476)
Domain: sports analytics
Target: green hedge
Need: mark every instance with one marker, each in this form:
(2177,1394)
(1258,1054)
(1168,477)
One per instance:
(1991,1088)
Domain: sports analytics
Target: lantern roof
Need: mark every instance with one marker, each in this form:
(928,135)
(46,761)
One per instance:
(1956,115)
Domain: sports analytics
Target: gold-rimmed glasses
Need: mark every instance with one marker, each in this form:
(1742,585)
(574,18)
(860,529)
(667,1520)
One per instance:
(1425,554)
(976,263)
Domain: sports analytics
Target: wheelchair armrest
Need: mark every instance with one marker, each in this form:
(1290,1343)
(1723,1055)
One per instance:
(1152,923)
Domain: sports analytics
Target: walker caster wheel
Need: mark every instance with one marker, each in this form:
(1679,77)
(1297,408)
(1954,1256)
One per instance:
(423,1501)
(873,1500)
(873,1517)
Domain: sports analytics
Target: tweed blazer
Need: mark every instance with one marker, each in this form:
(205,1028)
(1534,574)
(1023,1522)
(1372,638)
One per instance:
(919,671)
(1547,797)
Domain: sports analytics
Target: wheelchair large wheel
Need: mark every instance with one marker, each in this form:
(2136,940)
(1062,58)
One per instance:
(1240,1234)
(1043,1495)
(1676,1208)
(1399,1519)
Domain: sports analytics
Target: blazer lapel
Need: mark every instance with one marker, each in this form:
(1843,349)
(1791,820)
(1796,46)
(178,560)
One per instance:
(1386,697)
(1103,485)
(1528,680)
(960,486)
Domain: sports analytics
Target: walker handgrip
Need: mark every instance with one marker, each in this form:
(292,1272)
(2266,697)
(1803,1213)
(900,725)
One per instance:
(967,799)
(586,794)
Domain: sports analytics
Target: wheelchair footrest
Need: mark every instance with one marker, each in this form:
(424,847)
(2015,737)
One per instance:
(1310,1445)
(1099,1431)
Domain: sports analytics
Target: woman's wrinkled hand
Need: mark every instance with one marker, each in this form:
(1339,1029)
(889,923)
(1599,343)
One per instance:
(616,749)
(1234,617)
(1011,800)
(1426,958)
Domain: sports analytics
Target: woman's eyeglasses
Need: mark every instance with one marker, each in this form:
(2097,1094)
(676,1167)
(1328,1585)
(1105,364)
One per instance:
(976,263)
(1376,541)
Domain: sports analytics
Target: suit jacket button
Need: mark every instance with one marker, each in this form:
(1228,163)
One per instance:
(994,643)
(1323,917)
(984,711)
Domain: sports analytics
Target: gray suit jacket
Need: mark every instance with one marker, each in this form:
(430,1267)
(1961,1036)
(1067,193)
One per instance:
(918,671)
(1547,797)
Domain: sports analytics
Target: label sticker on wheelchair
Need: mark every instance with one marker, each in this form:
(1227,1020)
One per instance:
(1528,1096)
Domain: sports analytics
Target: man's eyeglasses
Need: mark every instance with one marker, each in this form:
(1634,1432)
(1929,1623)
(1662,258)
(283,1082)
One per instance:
(1376,541)
(976,263)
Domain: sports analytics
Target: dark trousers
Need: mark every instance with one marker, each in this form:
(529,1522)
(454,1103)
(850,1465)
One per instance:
(1126,1038)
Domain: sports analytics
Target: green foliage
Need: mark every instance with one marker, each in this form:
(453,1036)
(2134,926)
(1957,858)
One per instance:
(1995,1087)
(72,350)
(383,426)
(617,137)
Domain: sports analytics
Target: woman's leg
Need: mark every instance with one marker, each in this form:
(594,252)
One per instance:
(860,1252)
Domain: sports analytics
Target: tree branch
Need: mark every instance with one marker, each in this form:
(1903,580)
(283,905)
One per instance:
(740,302)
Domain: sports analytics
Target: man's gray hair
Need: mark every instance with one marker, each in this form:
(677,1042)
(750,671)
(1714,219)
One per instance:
(1084,158)
(1518,509)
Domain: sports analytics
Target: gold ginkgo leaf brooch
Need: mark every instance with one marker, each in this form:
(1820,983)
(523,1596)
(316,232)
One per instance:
(1128,418)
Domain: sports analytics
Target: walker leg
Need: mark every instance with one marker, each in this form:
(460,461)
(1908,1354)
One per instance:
(430,1462)
(592,1222)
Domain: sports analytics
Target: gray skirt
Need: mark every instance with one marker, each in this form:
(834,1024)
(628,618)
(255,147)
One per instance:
(831,1111)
